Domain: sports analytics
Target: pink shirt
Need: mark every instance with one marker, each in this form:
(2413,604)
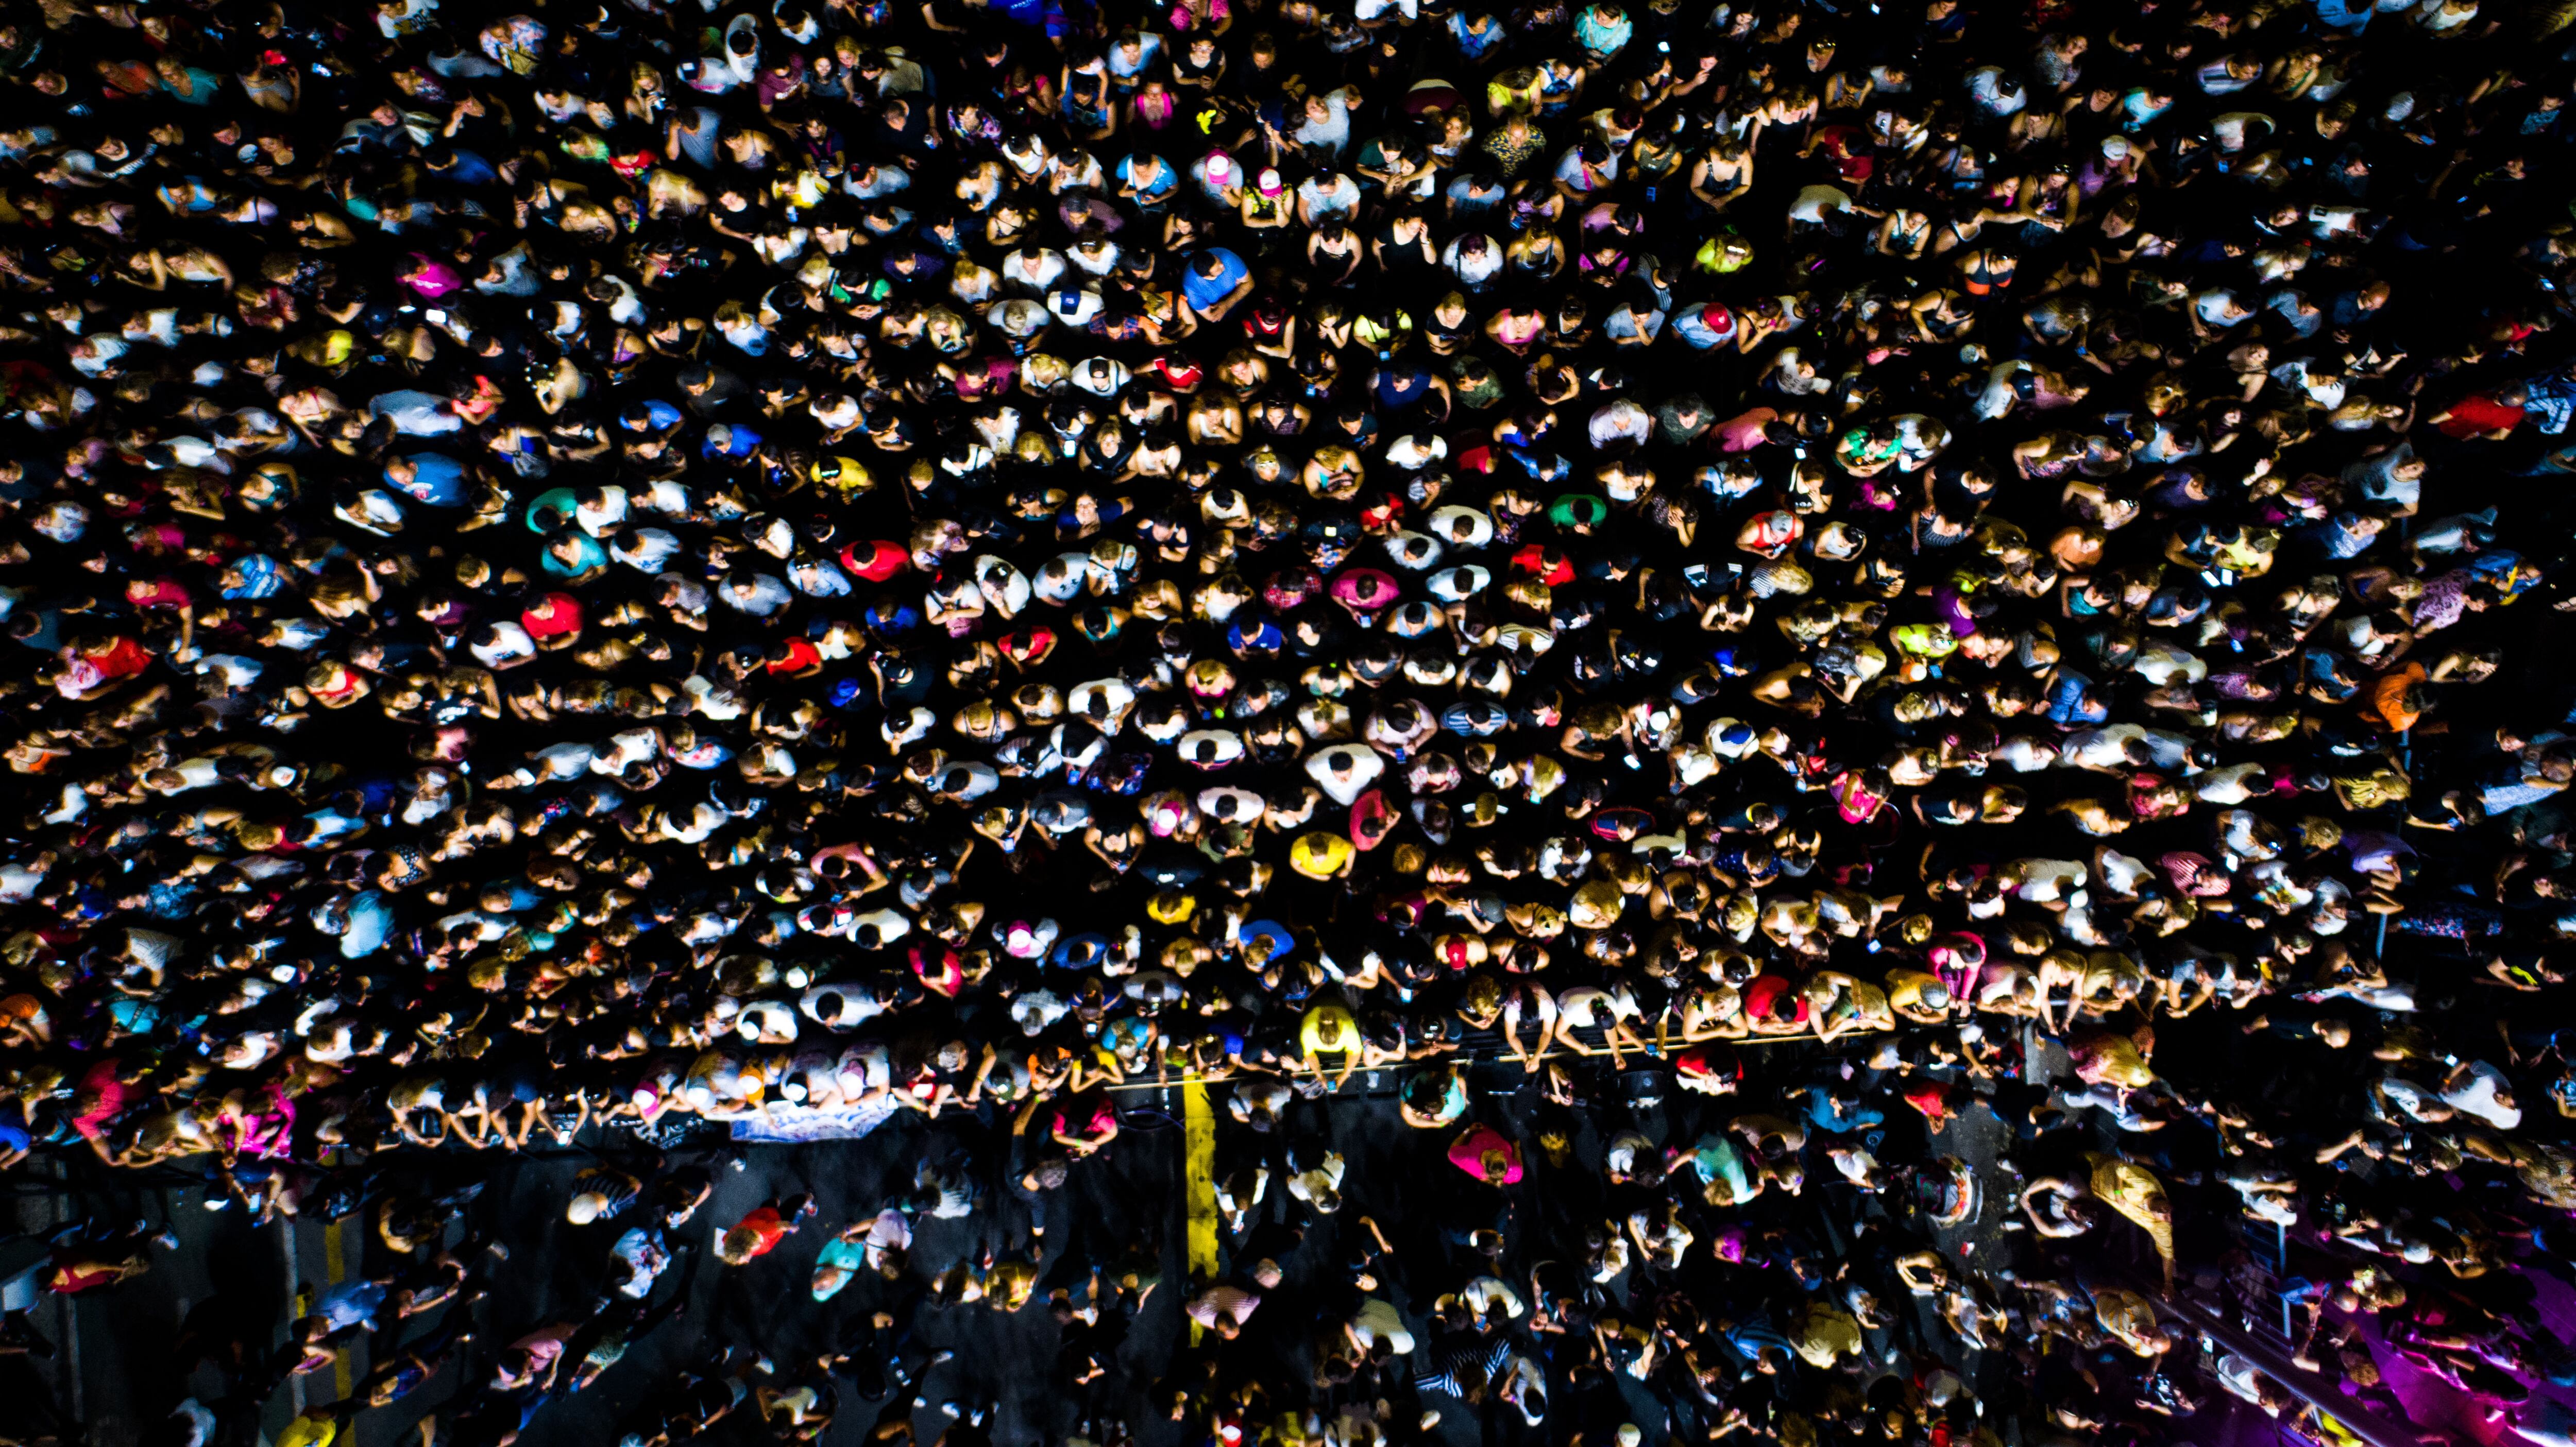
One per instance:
(1744,433)
(1469,1150)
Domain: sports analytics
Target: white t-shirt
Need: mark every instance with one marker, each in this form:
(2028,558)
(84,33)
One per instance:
(1333,132)
(2477,1096)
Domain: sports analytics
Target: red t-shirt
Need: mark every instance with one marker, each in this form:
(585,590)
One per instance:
(121,658)
(555,614)
(800,655)
(156,593)
(766,1224)
(2472,415)
(1847,145)
(1772,997)
(1545,564)
(1932,1098)
(875,561)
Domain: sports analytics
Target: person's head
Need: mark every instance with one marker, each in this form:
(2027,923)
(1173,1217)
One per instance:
(585,1208)
(517,1367)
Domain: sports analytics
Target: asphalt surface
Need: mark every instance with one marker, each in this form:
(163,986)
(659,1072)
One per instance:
(112,1372)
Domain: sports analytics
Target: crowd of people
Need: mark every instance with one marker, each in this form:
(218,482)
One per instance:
(1712,594)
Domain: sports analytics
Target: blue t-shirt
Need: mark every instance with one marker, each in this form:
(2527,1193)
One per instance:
(1473,43)
(1207,291)
(1400,386)
(437,480)
(371,923)
(730,440)
(1602,35)
(259,577)
(1149,47)
(1165,178)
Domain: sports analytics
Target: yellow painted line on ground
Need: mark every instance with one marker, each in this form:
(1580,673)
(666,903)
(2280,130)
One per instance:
(1198,1179)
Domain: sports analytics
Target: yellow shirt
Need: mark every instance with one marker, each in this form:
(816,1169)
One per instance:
(1319,855)
(1821,1334)
(1346,1041)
